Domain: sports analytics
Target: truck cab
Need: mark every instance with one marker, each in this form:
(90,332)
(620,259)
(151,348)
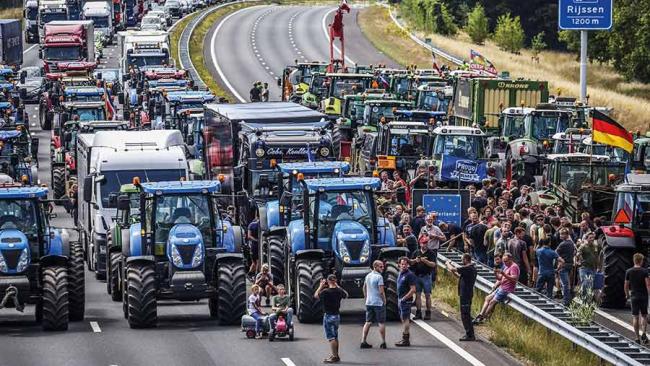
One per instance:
(51,10)
(30,14)
(67,41)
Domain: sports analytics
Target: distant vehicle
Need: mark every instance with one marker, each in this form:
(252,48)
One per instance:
(32,80)
(153,23)
(174,8)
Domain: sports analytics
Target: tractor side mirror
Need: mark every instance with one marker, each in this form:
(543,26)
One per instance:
(99,76)
(23,94)
(23,76)
(112,200)
(88,189)
(123,202)
(190,140)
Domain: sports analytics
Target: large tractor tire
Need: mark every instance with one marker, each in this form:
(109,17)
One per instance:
(308,275)
(141,290)
(113,280)
(336,142)
(58,182)
(616,262)
(55,298)
(44,118)
(276,258)
(76,283)
(390,284)
(229,305)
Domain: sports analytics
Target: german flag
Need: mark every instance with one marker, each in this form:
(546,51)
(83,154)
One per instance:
(609,132)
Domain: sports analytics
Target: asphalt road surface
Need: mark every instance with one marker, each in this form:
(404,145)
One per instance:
(256,43)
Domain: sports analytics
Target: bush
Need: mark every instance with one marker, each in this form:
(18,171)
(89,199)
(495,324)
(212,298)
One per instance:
(509,35)
(477,25)
(429,16)
(538,44)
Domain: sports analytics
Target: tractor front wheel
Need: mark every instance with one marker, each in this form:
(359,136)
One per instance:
(58,182)
(309,273)
(55,298)
(276,258)
(142,311)
(113,280)
(229,304)
(616,262)
(76,282)
(390,282)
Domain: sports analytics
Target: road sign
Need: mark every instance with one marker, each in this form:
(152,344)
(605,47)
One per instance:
(447,206)
(586,14)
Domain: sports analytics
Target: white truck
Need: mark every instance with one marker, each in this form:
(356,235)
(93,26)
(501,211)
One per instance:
(101,13)
(143,49)
(108,159)
(49,10)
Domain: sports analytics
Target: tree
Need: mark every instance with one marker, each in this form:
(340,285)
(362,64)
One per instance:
(509,35)
(477,25)
(538,44)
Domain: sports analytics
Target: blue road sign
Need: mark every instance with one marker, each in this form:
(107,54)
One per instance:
(586,14)
(447,206)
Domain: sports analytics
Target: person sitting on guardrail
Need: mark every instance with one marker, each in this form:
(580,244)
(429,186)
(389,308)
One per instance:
(637,286)
(507,281)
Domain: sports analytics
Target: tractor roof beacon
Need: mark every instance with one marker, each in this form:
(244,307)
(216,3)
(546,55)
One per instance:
(39,264)
(628,234)
(182,249)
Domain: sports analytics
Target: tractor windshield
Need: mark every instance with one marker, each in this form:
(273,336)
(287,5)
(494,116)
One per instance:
(636,206)
(546,124)
(433,101)
(347,87)
(460,146)
(574,176)
(340,206)
(99,21)
(373,113)
(148,60)
(406,142)
(20,214)
(513,125)
(193,209)
(615,153)
(90,114)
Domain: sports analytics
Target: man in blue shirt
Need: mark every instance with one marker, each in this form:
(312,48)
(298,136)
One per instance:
(373,292)
(546,258)
(405,290)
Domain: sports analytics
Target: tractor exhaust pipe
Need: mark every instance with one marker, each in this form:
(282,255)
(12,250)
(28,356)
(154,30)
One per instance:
(11,295)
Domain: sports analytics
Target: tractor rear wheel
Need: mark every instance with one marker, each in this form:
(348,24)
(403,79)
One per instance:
(390,282)
(308,276)
(113,280)
(336,142)
(141,289)
(229,304)
(616,263)
(55,298)
(76,282)
(58,182)
(276,258)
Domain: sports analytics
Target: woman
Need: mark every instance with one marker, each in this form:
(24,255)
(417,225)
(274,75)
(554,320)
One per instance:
(255,310)
(404,220)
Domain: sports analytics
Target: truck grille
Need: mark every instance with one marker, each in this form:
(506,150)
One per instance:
(11,257)
(186,252)
(354,248)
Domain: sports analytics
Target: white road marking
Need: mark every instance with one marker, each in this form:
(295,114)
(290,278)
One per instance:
(616,320)
(448,342)
(327,36)
(95,327)
(213,54)
(29,49)
(445,313)
(287,361)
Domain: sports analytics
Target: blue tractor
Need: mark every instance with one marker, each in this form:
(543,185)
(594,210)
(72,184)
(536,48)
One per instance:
(181,249)
(276,214)
(18,156)
(341,233)
(39,264)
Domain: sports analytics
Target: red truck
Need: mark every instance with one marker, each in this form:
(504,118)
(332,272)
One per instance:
(67,41)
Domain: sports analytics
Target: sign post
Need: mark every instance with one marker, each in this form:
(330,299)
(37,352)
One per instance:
(585,15)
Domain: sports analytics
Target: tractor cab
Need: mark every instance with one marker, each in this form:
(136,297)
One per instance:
(641,154)
(18,156)
(377,111)
(594,148)
(339,85)
(400,144)
(434,96)
(570,141)
(581,182)
(184,105)
(297,78)
(86,111)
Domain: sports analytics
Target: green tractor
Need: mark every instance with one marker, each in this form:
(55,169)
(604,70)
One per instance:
(296,79)
(326,91)
(641,154)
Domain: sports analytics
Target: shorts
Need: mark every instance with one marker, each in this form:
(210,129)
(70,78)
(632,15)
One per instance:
(375,314)
(405,309)
(500,295)
(255,250)
(424,283)
(639,305)
(331,326)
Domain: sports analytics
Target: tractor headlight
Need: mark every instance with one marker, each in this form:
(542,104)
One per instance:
(197,258)
(176,257)
(343,251)
(23,261)
(324,151)
(365,251)
(259,152)
(3,264)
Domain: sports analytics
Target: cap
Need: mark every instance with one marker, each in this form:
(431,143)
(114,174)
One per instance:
(331,277)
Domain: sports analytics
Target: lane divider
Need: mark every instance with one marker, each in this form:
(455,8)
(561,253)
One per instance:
(447,342)
(95,326)
(287,361)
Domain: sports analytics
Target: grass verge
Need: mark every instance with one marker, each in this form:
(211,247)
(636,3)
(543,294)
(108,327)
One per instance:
(11,13)
(605,86)
(175,36)
(525,339)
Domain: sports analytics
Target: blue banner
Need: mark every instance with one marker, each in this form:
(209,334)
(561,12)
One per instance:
(447,206)
(465,170)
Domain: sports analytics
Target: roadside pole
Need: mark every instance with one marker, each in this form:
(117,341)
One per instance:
(584,36)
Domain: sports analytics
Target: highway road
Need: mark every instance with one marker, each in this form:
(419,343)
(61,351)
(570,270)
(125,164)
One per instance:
(256,43)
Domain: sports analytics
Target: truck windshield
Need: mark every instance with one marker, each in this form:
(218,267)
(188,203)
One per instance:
(20,214)
(544,125)
(90,114)
(99,22)
(48,17)
(113,179)
(70,53)
(460,146)
(148,60)
(338,206)
(193,209)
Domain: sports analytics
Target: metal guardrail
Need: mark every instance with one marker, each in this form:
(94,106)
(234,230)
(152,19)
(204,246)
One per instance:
(416,39)
(607,344)
(184,43)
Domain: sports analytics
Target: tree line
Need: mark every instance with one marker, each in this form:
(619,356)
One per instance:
(515,24)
